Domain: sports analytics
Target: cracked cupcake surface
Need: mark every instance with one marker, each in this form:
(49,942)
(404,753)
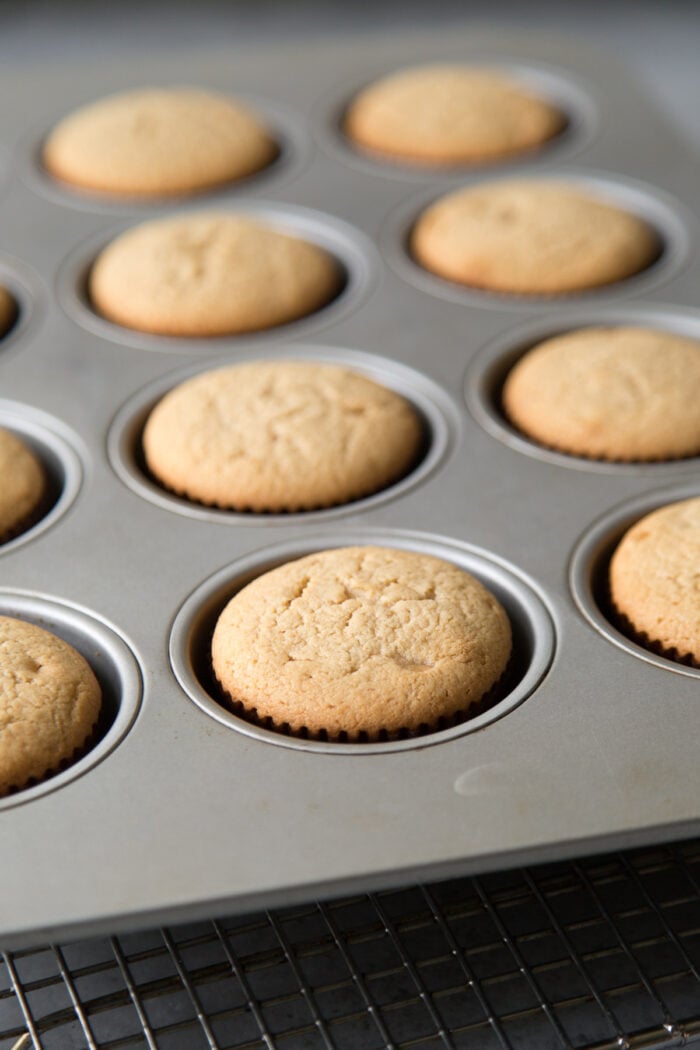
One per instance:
(209,273)
(158,141)
(361,641)
(280,436)
(49,703)
(655,579)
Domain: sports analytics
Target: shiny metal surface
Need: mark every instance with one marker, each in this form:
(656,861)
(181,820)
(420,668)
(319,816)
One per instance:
(185,818)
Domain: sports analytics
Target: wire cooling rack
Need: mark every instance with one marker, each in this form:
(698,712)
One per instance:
(603,953)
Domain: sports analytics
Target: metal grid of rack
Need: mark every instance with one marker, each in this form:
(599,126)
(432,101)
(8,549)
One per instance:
(603,953)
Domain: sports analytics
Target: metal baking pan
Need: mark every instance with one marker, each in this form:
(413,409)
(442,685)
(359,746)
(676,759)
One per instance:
(181,811)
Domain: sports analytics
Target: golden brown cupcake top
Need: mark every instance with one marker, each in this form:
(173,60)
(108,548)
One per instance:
(450,114)
(158,142)
(280,436)
(22,483)
(8,311)
(531,237)
(655,578)
(623,393)
(361,641)
(49,703)
(210,273)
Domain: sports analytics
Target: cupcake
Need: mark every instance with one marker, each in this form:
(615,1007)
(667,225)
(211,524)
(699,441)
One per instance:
(49,704)
(23,485)
(156,142)
(360,643)
(655,581)
(208,274)
(8,311)
(624,394)
(280,436)
(531,237)
(446,115)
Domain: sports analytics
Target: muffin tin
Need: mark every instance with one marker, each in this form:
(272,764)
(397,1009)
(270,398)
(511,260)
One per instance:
(182,810)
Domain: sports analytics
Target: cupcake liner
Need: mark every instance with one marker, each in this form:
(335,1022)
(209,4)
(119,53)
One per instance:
(501,687)
(288,507)
(624,625)
(553,447)
(78,753)
(641,638)
(631,460)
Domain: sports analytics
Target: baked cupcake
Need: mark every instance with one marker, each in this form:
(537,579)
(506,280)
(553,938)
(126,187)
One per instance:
(531,237)
(23,486)
(280,436)
(654,577)
(49,704)
(8,311)
(210,274)
(624,394)
(157,142)
(447,115)
(360,643)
